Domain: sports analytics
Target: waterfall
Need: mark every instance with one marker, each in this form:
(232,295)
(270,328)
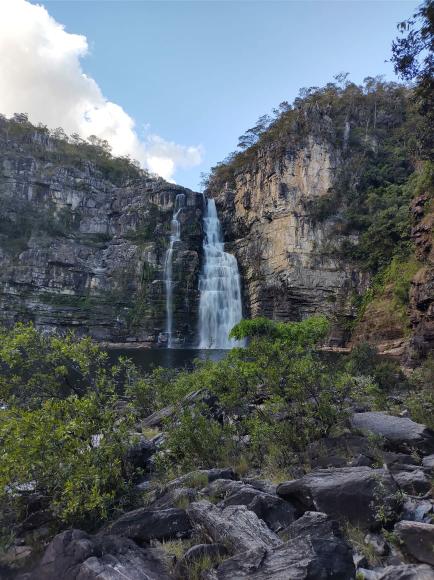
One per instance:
(175,236)
(219,285)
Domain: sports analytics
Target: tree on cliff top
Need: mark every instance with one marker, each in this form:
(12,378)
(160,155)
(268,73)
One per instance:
(412,55)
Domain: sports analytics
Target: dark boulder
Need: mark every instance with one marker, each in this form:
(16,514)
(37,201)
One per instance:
(417,540)
(363,496)
(235,526)
(407,572)
(273,510)
(401,432)
(428,463)
(418,510)
(75,555)
(143,525)
(300,558)
(413,482)
(141,452)
(339,451)
(314,524)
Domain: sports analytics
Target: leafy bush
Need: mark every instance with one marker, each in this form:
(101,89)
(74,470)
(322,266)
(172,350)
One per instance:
(195,440)
(420,398)
(364,360)
(275,396)
(35,367)
(71,451)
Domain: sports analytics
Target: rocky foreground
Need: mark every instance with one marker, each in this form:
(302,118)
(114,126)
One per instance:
(363,509)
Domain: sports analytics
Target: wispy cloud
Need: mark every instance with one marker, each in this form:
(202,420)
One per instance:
(41,74)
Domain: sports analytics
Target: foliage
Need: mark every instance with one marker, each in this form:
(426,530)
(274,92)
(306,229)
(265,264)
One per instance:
(305,334)
(61,434)
(35,367)
(304,397)
(73,151)
(70,451)
(365,361)
(420,398)
(196,440)
(412,56)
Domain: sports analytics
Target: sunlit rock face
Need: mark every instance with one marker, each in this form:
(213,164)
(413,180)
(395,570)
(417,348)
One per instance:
(287,271)
(80,250)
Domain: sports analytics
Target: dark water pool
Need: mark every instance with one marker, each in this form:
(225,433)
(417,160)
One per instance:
(147,359)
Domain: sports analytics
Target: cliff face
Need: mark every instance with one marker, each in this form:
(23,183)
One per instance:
(422,289)
(81,250)
(316,207)
(287,273)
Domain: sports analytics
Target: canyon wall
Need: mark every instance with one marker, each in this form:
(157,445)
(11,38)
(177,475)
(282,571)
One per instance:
(282,251)
(81,250)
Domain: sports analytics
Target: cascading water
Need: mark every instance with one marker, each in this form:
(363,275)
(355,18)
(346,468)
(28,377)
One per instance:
(175,236)
(219,285)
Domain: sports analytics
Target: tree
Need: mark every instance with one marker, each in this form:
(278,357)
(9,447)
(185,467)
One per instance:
(413,58)
(251,136)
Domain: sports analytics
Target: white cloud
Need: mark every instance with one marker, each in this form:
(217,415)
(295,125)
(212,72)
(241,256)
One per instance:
(41,74)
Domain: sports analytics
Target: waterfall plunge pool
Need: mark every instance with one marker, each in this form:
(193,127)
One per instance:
(147,359)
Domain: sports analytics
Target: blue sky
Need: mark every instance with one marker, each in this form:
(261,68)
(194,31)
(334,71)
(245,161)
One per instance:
(202,72)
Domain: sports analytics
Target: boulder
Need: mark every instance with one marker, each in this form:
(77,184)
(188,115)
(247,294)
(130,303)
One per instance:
(300,558)
(417,539)
(428,462)
(75,555)
(273,510)
(212,552)
(400,461)
(413,482)
(141,452)
(399,431)
(200,478)
(221,488)
(407,572)
(362,496)
(177,497)
(314,524)
(157,419)
(418,510)
(339,451)
(143,525)
(234,526)
(261,484)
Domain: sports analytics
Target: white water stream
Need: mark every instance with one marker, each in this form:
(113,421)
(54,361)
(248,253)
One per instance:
(175,236)
(220,305)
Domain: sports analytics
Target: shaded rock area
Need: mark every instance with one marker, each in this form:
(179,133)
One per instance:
(144,525)
(309,558)
(328,523)
(400,431)
(83,243)
(353,494)
(74,555)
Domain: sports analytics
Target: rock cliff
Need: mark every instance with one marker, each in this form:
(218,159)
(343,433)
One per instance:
(317,208)
(287,273)
(83,241)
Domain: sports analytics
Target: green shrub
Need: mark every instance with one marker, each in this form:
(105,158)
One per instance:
(71,451)
(195,440)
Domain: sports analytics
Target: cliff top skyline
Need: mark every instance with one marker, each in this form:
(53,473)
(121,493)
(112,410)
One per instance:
(173,84)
